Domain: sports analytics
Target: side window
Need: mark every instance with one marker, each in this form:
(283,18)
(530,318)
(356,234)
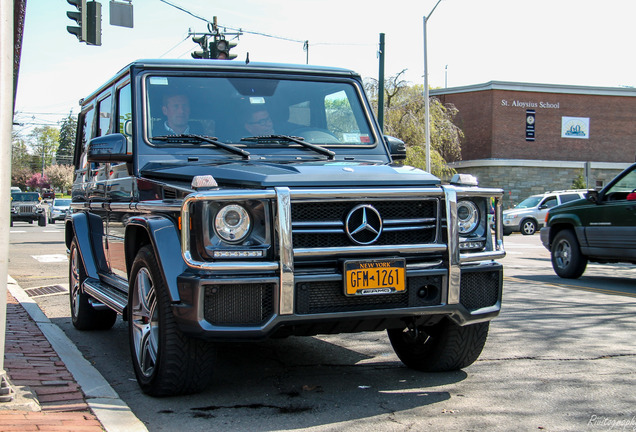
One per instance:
(340,118)
(569,197)
(549,202)
(105,116)
(124,110)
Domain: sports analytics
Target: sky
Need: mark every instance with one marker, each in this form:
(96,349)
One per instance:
(568,42)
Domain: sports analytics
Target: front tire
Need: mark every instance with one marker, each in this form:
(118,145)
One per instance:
(166,361)
(567,260)
(83,315)
(442,347)
(528,227)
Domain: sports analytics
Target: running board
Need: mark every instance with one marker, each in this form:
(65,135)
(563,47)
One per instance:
(108,295)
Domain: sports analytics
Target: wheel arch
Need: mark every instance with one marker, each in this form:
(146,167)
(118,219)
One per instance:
(79,227)
(163,237)
(560,222)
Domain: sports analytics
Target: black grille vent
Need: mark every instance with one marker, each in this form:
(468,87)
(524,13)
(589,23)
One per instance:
(322,224)
(239,304)
(479,290)
(169,193)
(328,297)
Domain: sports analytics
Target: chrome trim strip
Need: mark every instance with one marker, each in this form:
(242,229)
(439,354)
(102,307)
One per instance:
(408,228)
(286,268)
(454,270)
(317,223)
(393,194)
(353,250)
(409,221)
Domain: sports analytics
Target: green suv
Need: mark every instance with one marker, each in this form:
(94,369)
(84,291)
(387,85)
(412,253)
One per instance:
(600,228)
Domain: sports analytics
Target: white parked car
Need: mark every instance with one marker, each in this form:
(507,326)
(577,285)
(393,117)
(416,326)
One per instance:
(529,215)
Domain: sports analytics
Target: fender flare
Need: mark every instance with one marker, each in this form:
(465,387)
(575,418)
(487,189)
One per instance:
(164,238)
(86,229)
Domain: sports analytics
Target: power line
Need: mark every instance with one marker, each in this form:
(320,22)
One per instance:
(242,30)
(174,47)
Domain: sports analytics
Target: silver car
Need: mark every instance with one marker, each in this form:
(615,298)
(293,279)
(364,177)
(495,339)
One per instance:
(59,209)
(529,215)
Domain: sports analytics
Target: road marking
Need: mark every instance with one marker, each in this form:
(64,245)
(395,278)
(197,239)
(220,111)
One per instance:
(14,232)
(50,258)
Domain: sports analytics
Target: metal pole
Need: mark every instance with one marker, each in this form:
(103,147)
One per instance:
(426,102)
(6,120)
(381,85)
(427,108)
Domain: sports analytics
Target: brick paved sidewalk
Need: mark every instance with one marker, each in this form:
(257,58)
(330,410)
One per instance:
(31,361)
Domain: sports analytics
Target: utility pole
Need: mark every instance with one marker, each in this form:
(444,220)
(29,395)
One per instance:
(6,120)
(426,102)
(381,85)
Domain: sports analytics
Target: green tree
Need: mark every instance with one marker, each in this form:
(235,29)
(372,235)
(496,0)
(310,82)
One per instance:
(68,130)
(44,142)
(19,152)
(579,182)
(405,118)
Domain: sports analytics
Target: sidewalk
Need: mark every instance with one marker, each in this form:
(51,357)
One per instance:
(56,388)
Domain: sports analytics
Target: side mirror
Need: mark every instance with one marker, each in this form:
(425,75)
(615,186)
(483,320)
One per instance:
(396,147)
(592,196)
(108,148)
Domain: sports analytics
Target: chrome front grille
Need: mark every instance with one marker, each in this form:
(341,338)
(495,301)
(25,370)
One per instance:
(405,222)
(26,208)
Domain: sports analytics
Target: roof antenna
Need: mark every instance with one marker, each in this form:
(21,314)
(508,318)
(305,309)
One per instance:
(247,58)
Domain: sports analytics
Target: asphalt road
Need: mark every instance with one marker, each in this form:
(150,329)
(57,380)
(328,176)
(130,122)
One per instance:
(559,357)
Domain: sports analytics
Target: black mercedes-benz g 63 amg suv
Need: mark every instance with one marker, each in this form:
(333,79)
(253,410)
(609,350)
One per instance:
(217,200)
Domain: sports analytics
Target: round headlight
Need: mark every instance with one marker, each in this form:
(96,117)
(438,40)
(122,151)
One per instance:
(232,223)
(467,216)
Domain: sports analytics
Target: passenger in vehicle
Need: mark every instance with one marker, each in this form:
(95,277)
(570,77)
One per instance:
(259,123)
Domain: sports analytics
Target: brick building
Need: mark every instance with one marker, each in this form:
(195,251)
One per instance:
(531,138)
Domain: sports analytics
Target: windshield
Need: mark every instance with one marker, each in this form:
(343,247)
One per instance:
(62,202)
(25,196)
(529,202)
(230,109)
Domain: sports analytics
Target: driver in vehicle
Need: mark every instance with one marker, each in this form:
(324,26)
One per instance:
(176,108)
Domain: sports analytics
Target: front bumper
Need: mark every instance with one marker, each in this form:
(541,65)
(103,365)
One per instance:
(257,299)
(246,308)
(545,237)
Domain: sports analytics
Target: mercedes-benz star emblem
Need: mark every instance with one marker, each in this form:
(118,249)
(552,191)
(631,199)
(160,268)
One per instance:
(363,224)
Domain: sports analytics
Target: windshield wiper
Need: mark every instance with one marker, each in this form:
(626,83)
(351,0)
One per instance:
(296,140)
(190,138)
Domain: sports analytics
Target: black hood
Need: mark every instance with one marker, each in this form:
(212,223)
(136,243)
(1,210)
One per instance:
(321,174)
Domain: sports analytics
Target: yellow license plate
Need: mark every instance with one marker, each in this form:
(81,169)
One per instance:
(371,277)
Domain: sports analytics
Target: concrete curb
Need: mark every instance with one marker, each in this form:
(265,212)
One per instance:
(113,413)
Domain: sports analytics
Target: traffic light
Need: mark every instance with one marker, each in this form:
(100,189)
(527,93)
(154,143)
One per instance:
(221,50)
(93,23)
(203,42)
(89,21)
(79,17)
